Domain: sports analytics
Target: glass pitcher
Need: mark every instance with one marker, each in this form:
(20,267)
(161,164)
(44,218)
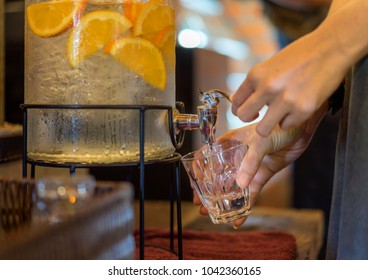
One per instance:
(98,52)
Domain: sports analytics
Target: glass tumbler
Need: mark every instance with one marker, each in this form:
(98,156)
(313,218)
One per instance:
(59,197)
(212,174)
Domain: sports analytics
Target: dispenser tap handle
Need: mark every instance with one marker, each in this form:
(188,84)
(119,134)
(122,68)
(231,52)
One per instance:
(212,97)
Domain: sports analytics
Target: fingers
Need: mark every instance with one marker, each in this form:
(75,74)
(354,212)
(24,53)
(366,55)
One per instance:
(243,93)
(203,210)
(286,116)
(284,108)
(294,120)
(249,110)
(249,166)
(254,189)
(247,101)
(238,223)
(273,116)
(196,200)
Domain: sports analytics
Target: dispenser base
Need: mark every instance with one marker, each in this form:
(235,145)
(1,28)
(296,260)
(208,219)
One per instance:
(59,158)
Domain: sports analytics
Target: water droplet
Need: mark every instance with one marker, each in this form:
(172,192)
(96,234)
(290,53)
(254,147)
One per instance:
(122,150)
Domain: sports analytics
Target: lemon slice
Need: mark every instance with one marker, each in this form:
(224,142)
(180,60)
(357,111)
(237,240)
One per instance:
(154,17)
(143,58)
(94,31)
(48,19)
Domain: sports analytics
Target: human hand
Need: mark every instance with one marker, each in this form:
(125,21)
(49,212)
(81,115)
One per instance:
(294,84)
(267,155)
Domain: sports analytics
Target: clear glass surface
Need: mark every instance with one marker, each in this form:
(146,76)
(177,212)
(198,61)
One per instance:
(212,174)
(58,197)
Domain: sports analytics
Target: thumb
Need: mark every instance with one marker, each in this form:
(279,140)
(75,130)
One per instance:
(249,167)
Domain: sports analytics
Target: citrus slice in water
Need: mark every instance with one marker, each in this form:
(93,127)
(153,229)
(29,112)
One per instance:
(154,17)
(48,19)
(168,46)
(132,8)
(160,37)
(143,58)
(94,31)
(165,41)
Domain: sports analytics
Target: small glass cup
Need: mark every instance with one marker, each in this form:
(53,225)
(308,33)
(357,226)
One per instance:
(58,197)
(212,174)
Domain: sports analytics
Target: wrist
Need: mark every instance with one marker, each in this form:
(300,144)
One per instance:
(335,58)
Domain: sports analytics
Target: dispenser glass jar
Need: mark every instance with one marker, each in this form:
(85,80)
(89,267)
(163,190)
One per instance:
(96,52)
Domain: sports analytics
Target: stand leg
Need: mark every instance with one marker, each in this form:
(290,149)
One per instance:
(24,145)
(172,197)
(33,171)
(141,186)
(141,216)
(72,170)
(178,211)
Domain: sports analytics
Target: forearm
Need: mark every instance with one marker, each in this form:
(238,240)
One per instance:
(336,5)
(301,5)
(345,32)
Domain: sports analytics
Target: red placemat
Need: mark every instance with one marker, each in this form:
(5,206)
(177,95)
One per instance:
(206,245)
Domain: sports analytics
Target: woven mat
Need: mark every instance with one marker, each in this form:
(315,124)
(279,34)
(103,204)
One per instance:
(205,245)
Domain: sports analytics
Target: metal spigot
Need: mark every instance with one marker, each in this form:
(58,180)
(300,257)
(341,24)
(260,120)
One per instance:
(212,97)
(207,123)
(206,118)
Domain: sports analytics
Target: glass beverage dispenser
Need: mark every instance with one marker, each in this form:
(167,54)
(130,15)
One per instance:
(93,52)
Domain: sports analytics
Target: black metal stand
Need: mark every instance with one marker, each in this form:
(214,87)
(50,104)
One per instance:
(175,188)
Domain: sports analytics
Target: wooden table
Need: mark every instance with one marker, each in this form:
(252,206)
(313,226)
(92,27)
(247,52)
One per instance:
(305,225)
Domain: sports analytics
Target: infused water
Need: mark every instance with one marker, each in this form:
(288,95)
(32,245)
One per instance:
(98,53)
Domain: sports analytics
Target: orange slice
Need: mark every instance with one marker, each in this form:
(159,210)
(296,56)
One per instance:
(168,46)
(165,41)
(132,8)
(143,58)
(159,38)
(48,19)
(95,30)
(154,17)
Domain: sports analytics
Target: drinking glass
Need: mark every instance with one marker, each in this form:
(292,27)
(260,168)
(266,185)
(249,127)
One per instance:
(58,197)
(212,172)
